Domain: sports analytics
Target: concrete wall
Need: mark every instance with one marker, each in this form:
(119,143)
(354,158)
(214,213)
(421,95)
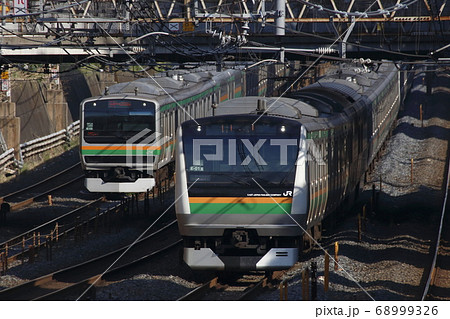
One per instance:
(30,107)
(40,107)
(10,124)
(57,109)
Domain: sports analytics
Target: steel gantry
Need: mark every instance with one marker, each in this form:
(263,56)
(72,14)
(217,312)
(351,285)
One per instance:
(193,28)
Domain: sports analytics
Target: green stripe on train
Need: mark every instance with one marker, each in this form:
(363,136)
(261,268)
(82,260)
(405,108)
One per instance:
(240,208)
(188,100)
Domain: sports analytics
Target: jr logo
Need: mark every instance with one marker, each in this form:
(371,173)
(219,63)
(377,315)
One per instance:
(287,194)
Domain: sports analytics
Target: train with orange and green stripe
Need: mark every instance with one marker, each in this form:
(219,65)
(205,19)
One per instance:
(128,133)
(256,180)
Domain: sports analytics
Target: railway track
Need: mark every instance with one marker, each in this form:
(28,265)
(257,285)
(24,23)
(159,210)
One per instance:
(242,287)
(70,283)
(28,195)
(437,286)
(24,245)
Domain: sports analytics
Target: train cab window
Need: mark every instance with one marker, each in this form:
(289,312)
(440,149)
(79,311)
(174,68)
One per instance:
(112,121)
(238,169)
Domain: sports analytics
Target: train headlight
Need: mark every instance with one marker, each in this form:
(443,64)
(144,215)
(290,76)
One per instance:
(199,128)
(283,128)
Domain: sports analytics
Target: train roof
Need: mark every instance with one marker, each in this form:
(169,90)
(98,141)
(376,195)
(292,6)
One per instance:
(352,79)
(331,95)
(283,107)
(170,82)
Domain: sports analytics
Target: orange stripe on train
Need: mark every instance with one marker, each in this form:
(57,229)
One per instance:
(240,200)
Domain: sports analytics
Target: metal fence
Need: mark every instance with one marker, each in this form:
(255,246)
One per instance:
(39,145)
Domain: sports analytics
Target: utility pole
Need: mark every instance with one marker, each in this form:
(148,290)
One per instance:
(346,36)
(3,11)
(280,17)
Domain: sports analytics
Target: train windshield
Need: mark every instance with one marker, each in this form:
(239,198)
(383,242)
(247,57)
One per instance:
(231,156)
(116,121)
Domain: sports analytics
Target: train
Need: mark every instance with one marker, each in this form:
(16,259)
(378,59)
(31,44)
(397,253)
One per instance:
(127,134)
(256,180)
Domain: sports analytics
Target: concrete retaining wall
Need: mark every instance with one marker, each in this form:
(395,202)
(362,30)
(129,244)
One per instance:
(40,107)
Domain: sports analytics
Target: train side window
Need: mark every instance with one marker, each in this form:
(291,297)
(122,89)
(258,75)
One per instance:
(208,103)
(234,89)
(169,124)
(172,123)
(164,123)
(204,107)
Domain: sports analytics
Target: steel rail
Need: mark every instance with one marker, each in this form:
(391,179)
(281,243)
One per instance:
(248,294)
(97,280)
(3,198)
(76,210)
(26,251)
(252,289)
(31,200)
(262,284)
(49,280)
(433,264)
(196,293)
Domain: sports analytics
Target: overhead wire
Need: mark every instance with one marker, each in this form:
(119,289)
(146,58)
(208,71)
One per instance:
(175,48)
(185,48)
(365,14)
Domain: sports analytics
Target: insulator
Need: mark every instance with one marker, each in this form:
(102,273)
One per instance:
(325,50)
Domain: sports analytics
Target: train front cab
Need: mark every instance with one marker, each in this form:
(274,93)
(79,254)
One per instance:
(115,150)
(233,212)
